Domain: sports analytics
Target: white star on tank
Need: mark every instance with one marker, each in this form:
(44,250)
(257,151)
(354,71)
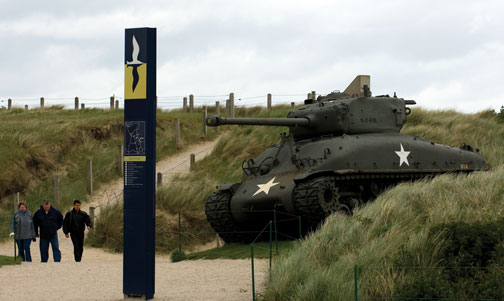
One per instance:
(266,187)
(403,156)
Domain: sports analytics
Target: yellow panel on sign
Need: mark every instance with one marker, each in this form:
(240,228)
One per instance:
(134,158)
(135,81)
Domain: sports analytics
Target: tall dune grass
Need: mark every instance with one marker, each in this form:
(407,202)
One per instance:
(37,144)
(396,230)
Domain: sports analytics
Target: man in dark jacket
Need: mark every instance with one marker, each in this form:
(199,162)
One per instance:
(49,219)
(75,223)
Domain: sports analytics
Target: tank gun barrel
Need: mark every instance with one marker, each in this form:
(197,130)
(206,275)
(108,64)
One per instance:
(290,122)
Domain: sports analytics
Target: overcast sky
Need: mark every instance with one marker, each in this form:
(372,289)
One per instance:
(443,54)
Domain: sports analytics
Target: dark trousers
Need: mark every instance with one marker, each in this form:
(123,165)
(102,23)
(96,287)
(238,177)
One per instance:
(24,249)
(78,243)
(44,248)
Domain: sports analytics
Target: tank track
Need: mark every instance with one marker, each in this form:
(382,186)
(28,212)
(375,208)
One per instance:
(352,190)
(218,214)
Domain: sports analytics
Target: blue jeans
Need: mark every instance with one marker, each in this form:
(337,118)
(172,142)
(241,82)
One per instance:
(24,249)
(44,248)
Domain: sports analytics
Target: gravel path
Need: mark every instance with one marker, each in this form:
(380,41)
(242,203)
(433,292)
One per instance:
(99,275)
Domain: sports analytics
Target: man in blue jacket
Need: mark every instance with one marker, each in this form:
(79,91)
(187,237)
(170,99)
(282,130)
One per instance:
(49,219)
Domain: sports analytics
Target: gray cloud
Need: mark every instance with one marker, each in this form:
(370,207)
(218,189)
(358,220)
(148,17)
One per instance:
(446,54)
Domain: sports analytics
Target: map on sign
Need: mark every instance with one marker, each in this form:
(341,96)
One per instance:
(134,140)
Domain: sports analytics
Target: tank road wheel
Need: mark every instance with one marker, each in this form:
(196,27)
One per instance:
(315,199)
(218,214)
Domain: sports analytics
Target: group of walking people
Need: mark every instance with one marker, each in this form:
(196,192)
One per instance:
(44,224)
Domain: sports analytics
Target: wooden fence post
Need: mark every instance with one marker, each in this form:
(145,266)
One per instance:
(111,102)
(293,106)
(83,106)
(309,96)
(16,201)
(120,159)
(9,104)
(217,112)
(177,133)
(159,180)
(313,95)
(76,103)
(26,107)
(56,191)
(117,105)
(191,103)
(42,102)
(228,111)
(90,177)
(184,105)
(205,129)
(269,102)
(192,159)
(231,104)
(92,214)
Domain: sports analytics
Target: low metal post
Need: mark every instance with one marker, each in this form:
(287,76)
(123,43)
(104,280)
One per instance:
(300,231)
(271,245)
(179,233)
(356,295)
(15,251)
(252,262)
(276,230)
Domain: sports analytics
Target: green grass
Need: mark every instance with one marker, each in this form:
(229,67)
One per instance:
(8,260)
(397,230)
(240,251)
(37,144)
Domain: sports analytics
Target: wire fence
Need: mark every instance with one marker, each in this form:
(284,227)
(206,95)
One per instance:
(163,102)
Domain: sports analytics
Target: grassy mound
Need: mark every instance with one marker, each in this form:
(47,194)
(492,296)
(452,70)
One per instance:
(452,222)
(37,144)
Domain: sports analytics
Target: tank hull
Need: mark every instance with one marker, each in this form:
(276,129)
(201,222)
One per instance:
(347,170)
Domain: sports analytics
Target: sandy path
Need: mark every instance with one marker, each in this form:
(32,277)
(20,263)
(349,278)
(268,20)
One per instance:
(99,275)
(177,164)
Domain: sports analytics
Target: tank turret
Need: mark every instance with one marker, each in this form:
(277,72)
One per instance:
(349,113)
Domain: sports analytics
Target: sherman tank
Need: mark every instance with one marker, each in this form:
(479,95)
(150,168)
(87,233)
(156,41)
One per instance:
(342,150)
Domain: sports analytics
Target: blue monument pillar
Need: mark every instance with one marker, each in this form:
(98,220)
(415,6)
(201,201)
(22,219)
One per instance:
(139,162)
